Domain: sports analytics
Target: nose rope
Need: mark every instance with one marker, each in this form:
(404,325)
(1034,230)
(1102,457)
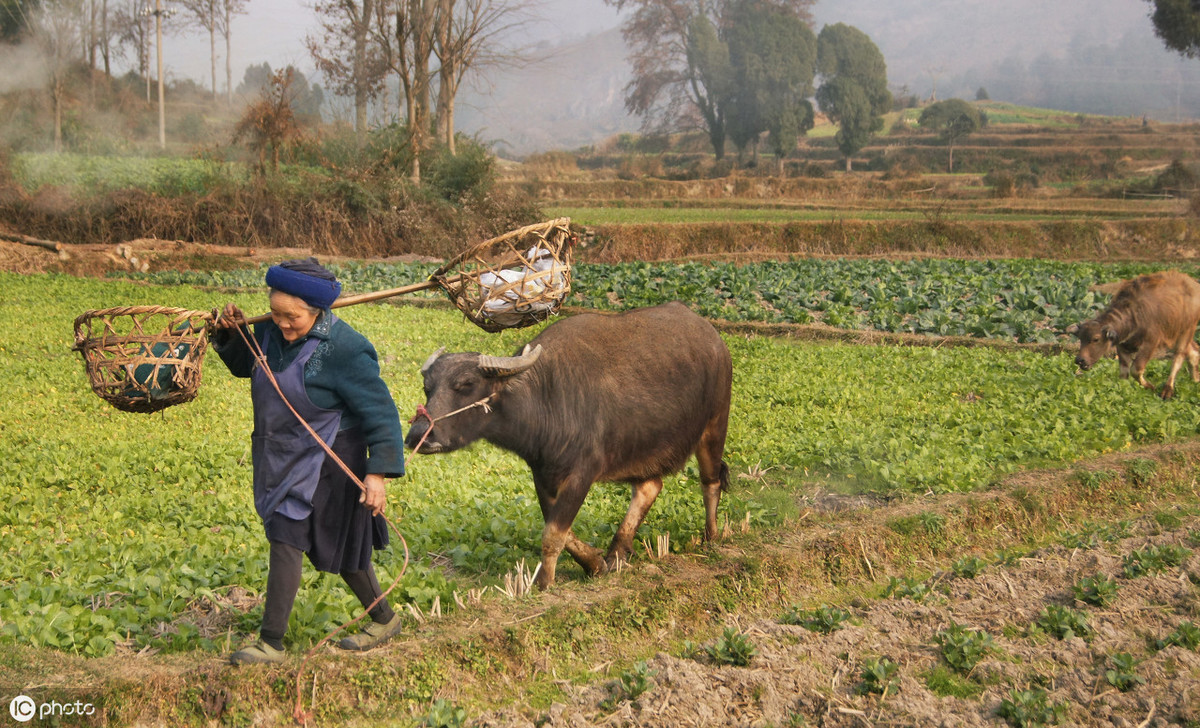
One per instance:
(422,412)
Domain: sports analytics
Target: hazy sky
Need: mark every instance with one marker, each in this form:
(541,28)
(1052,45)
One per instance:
(278,28)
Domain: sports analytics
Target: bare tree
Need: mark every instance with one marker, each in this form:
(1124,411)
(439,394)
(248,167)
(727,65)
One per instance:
(226,10)
(417,23)
(106,38)
(673,48)
(469,36)
(57,27)
(404,34)
(203,14)
(132,30)
(346,55)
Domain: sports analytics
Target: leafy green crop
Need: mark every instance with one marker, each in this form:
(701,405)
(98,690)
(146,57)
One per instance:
(963,648)
(120,531)
(1098,590)
(1153,559)
(824,619)
(731,648)
(1015,300)
(1030,709)
(1123,673)
(879,675)
(1063,623)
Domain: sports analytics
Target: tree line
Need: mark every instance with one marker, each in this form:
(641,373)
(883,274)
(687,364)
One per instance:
(745,70)
(362,48)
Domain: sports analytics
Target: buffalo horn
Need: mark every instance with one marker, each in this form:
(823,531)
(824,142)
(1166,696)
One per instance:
(432,358)
(507,366)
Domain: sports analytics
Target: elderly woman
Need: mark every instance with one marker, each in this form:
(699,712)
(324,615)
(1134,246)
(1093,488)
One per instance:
(329,374)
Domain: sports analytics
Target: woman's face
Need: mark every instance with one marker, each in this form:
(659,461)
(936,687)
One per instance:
(292,315)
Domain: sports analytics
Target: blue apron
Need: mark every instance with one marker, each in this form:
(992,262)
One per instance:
(287,460)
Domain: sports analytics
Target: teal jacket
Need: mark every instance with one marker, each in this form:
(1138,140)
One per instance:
(342,374)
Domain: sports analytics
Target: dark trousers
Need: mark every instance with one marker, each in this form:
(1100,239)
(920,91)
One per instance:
(283,581)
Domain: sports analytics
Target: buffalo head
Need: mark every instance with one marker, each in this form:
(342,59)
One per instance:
(1096,342)
(460,391)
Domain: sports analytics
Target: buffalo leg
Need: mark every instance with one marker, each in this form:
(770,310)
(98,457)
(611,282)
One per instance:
(560,511)
(714,473)
(1138,366)
(1193,357)
(1168,389)
(644,494)
(1183,350)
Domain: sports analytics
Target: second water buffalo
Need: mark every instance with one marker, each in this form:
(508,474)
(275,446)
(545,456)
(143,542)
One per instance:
(623,398)
(1148,314)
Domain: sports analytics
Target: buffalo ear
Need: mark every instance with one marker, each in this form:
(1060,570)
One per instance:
(1111,335)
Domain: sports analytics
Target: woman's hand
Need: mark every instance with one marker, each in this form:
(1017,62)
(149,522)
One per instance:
(230,317)
(374,497)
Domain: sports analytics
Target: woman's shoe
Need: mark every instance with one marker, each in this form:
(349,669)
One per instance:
(257,653)
(373,635)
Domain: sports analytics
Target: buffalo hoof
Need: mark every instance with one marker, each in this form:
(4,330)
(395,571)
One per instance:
(600,568)
(1168,392)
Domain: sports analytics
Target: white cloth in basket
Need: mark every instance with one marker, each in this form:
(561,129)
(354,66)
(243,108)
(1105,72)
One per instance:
(504,290)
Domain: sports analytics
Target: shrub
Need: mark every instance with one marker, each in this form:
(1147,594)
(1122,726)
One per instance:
(470,173)
(1141,470)
(1178,179)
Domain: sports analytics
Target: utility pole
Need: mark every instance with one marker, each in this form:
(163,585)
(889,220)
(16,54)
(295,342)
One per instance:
(159,13)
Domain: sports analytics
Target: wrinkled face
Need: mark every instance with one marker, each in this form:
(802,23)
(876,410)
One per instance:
(292,315)
(1095,343)
(452,382)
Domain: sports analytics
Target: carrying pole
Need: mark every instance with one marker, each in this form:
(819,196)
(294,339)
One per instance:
(368,297)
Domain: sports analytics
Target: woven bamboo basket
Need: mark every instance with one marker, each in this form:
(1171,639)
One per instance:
(143,358)
(517,279)
(147,358)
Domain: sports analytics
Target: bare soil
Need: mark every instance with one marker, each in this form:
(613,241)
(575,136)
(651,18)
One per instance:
(802,677)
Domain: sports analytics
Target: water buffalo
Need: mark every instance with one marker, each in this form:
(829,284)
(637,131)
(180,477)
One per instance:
(1150,313)
(622,398)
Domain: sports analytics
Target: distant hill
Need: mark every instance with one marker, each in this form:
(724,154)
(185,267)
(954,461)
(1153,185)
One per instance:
(1093,56)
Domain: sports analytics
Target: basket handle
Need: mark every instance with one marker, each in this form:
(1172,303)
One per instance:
(368,297)
(541,227)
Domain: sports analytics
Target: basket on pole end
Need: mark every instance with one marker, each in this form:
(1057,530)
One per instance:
(514,280)
(143,358)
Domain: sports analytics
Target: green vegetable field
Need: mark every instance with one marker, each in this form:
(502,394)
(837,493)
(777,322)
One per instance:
(115,527)
(1017,300)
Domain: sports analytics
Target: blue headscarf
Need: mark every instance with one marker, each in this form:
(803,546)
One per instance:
(307,280)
